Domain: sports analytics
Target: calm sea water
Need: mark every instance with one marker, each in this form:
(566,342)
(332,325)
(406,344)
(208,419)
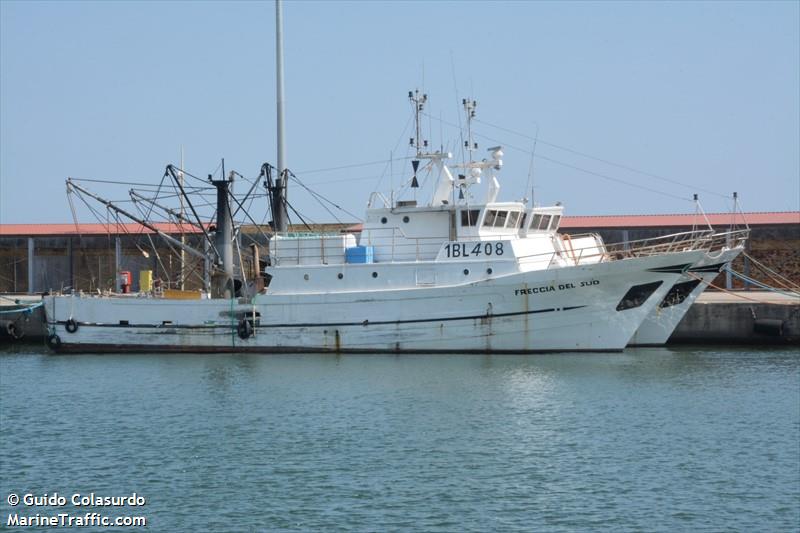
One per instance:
(649,440)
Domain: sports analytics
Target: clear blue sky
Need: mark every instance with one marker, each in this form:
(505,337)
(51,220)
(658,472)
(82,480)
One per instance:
(706,94)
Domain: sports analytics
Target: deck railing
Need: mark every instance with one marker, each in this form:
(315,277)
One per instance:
(675,242)
(598,253)
(405,248)
(729,239)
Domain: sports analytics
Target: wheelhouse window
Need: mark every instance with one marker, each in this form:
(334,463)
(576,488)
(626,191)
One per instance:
(488,221)
(545,222)
(536,221)
(555,222)
(513,219)
(469,217)
(500,221)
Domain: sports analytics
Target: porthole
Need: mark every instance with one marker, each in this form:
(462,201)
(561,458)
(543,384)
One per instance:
(384,220)
(406,219)
(340,275)
(374,274)
(466,272)
(305,277)
(489,271)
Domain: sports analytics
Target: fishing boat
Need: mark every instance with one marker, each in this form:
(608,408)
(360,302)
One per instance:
(449,275)
(452,274)
(657,327)
(404,286)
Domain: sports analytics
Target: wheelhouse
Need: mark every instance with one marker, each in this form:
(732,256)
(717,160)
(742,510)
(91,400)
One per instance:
(541,220)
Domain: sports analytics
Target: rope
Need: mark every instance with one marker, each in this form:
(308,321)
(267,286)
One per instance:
(733,293)
(790,283)
(25,310)
(759,284)
(726,291)
(233,324)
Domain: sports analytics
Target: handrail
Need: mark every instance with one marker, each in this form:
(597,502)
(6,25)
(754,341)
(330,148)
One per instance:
(402,247)
(377,194)
(730,239)
(568,238)
(687,240)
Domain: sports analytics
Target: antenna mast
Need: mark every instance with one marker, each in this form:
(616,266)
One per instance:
(418,100)
(469,108)
(279,216)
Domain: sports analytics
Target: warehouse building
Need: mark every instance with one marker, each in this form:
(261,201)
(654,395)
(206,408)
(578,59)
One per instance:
(37,258)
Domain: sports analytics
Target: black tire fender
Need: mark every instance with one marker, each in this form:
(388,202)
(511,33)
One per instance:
(71,326)
(54,341)
(244,329)
(13,330)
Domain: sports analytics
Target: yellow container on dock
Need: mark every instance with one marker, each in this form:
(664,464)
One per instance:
(145,280)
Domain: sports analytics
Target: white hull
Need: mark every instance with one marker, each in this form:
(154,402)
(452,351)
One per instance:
(564,309)
(662,320)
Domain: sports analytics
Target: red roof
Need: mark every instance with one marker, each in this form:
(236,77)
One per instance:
(30,230)
(719,220)
(649,221)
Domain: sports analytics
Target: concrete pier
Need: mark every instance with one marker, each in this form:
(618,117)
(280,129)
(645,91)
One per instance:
(741,317)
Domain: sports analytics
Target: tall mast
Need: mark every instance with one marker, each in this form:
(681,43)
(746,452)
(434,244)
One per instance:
(182,283)
(222,279)
(279,216)
(418,101)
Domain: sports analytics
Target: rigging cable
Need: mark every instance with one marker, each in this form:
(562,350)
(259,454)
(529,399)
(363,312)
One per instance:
(604,161)
(321,198)
(290,206)
(580,169)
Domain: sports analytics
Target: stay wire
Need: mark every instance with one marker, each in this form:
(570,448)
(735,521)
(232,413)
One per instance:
(389,162)
(321,198)
(290,206)
(155,249)
(70,192)
(581,169)
(604,161)
(247,214)
(587,171)
(134,183)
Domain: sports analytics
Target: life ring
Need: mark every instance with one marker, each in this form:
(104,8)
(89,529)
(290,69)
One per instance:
(54,341)
(244,329)
(71,326)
